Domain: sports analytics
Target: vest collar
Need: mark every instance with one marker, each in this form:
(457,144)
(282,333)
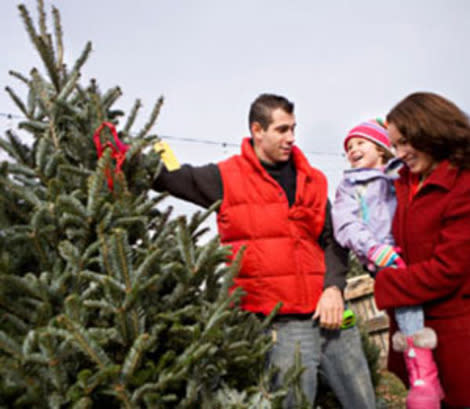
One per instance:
(300,161)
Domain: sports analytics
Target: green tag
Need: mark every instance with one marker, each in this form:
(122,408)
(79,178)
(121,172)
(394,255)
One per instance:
(349,319)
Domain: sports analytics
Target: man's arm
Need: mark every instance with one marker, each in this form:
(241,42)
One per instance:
(201,185)
(336,257)
(330,307)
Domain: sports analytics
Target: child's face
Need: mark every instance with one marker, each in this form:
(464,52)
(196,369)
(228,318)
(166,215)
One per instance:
(362,153)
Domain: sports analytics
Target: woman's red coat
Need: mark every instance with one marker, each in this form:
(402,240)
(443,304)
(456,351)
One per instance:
(432,229)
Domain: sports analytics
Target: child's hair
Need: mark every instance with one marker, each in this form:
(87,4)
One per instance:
(374,130)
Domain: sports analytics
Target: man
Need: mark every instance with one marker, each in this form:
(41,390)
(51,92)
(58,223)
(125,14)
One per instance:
(276,204)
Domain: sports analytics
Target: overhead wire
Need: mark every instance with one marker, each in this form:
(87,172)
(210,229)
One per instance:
(193,140)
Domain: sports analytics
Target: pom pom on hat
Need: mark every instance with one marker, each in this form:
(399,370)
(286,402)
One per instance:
(374,130)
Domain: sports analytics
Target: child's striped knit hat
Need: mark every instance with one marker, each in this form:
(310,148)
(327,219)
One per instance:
(374,130)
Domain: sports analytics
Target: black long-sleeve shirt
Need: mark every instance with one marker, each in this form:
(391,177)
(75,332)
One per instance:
(202,185)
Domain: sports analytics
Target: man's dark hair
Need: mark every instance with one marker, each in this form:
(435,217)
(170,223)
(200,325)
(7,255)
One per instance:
(263,106)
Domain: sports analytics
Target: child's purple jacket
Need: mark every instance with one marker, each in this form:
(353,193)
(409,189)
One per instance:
(363,209)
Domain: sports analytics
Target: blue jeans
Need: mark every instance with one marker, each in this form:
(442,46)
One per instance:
(337,354)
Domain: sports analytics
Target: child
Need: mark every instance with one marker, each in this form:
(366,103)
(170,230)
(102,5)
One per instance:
(362,218)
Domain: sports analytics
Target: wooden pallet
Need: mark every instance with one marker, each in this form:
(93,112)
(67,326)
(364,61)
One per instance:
(359,294)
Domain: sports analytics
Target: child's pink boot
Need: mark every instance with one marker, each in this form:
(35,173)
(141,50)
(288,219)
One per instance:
(425,389)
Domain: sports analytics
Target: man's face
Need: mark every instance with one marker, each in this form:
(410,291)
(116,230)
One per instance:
(274,144)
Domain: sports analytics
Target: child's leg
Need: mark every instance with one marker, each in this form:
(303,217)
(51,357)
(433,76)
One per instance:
(417,342)
(410,319)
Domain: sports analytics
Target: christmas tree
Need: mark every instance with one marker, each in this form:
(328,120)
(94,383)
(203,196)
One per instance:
(105,300)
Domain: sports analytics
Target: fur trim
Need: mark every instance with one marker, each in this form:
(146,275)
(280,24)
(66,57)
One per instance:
(425,338)
(399,343)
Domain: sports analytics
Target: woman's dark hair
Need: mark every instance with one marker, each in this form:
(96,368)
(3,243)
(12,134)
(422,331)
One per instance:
(263,106)
(434,125)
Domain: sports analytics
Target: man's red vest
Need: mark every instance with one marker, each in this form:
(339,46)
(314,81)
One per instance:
(283,260)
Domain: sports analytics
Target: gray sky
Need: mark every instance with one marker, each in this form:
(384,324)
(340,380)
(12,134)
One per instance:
(340,62)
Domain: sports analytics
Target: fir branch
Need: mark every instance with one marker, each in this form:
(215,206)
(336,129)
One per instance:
(70,253)
(121,257)
(130,221)
(19,76)
(58,38)
(85,343)
(221,313)
(76,234)
(89,382)
(23,151)
(33,126)
(105,335)
(42,19)
(136,148)
(42,153)
(104,280)
(41,249)
(207,253)
(105,261)
(149,204)
(68,220)
(16,99)
(132,116)
(185,245)
(142,343)
(30,343)
(92,249)
(18,233)
(25,182)
(152,119)
(150,265)
(96,185)
(82,58)
(41,218)
(72,307)
(57,372)
(110,97)
(27,21)
(233,270)
(26,194)
(121,392)
(44,47)
(68,87)
(70,170)
(40,87)
(70,204)
(19,324)
(83,403)
(131,297)
(52,163)
(122,264)
(10,346)
(155,283)
(103,306)
(32,102)
(198,218)
(8,148)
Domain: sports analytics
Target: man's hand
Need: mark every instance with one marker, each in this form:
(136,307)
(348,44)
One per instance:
(330,308)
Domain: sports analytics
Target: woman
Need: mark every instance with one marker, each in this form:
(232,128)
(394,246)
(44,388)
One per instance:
(431,136)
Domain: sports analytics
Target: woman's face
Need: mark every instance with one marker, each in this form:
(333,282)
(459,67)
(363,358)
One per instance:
(417,161)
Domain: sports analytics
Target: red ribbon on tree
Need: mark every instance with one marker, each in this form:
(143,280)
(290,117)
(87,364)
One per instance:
(118,152)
